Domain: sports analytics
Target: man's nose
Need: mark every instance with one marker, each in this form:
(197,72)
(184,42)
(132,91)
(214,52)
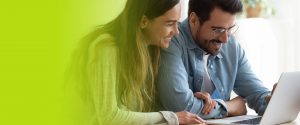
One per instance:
(224,37)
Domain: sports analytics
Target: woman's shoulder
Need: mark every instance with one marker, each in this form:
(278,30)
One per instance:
(104,42)
(104,46)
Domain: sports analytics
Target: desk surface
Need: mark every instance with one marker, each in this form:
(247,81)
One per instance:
(296,122)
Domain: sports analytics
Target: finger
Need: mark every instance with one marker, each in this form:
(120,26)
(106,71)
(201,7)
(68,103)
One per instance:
(204,109)
(207,108)
(197,120)
(274,87)
(211,105)
(200,119)
(199,95)
(268,97)
(214,104)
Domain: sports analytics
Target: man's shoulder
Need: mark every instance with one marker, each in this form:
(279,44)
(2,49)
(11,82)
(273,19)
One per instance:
(181,40)
(232,44)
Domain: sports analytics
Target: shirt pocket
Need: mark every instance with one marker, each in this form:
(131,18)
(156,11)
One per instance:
(195,83)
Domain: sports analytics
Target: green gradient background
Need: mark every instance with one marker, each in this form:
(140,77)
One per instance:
(36,38)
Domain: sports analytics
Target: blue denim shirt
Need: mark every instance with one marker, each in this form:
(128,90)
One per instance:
(181,74)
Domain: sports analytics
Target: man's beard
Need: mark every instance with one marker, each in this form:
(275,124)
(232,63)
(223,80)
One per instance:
(208,47)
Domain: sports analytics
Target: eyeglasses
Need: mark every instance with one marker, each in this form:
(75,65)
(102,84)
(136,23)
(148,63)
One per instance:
(218,31)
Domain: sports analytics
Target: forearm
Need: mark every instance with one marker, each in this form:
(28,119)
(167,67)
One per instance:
(178,98)
(196,106)
(134,118)
(220,111)
(236,106)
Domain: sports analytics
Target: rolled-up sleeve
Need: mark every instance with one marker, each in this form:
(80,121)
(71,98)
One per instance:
(173,87)
(249,86)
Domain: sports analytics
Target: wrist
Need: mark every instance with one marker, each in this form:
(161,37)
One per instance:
(229,109)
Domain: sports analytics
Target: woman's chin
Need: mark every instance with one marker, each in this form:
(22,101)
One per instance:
(166,43)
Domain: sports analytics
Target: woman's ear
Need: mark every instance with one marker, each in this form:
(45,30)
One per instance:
(144,22)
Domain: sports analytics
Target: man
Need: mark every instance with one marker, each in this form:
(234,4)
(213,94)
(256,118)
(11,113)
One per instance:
(204,64)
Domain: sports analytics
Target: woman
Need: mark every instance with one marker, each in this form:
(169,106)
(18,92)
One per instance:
(116,66)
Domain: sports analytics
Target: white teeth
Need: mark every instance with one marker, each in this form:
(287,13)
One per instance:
(219,45)
(216,43)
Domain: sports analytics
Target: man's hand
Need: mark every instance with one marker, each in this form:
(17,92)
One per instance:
(210,104)
(236,106)
(268,97)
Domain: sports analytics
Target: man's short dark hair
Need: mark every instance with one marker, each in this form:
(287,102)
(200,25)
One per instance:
(203,8)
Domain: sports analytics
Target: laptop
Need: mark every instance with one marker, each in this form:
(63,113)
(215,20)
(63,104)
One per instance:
(283,107)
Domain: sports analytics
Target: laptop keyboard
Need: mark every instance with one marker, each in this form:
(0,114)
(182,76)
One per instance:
(254,121)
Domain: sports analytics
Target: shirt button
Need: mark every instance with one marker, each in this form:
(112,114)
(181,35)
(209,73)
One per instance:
(211,66)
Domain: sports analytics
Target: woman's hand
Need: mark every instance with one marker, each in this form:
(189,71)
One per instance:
(185,117)
(210,104)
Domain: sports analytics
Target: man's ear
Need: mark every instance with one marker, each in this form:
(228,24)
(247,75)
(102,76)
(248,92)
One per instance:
(193,19)
(144,22)
(194,24)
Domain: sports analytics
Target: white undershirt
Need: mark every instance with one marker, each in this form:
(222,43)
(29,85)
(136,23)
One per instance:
(207,85)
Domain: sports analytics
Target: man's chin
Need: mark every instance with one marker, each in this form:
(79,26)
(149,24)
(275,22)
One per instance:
(215,52)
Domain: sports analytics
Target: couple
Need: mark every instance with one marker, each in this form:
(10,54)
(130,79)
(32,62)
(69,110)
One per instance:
(124,77)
